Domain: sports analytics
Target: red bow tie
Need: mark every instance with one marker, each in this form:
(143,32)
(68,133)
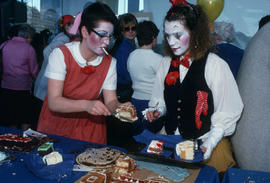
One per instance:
(183,62)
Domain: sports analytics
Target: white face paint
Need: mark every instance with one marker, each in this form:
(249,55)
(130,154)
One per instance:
(94,42)
(177,36)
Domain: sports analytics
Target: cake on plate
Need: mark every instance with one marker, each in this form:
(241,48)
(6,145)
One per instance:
(45,149)
(53,158)
(185,149)
(19,143)
(124,165)
(155,147)
(124,112)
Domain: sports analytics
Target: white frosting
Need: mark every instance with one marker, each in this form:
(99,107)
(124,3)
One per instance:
(52,158)
(155,144)
(185,150)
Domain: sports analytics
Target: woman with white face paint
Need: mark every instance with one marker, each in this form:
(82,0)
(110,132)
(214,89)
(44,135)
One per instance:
(195,88)
(79,75)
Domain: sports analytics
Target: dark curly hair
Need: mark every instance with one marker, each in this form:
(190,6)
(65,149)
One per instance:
(94,13)
(146,32)
(195,20)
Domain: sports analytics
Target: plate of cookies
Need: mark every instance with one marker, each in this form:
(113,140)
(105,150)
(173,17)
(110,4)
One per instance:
(98,157)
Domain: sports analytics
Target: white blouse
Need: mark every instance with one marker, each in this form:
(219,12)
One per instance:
(56,68)
(228,104)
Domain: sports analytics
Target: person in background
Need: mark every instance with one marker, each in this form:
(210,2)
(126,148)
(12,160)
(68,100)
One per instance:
(20,68)
(82,81)
(264,20)
(195,88)
(64,24)
(40,88)
(39,42)
(224,35)
(124,45)
(142,66)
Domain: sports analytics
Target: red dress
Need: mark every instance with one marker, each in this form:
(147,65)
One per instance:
(77,85)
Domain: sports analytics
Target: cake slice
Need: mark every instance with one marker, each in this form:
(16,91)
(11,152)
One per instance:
(45,149)
(124,165)
(52,158)
(126,113)
(185,150)
(155,147)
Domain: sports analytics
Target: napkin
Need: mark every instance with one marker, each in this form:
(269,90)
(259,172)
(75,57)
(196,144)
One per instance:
(170,141)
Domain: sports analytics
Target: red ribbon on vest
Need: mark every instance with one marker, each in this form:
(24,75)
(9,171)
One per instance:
(201,108)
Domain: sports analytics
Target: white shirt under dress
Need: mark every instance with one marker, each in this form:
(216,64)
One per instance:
(56,68)
(228,104)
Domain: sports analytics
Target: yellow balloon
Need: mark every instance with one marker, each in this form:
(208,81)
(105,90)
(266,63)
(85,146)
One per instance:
(212,8)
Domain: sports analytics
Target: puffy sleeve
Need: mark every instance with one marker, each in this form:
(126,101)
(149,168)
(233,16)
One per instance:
(228,104)
(56,68)
(158,89)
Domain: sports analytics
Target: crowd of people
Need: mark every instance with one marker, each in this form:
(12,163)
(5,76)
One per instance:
(190,91)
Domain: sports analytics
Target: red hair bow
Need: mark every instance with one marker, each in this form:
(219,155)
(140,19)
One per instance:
(175,2)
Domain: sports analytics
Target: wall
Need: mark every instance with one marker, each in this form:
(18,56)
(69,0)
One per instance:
(244,14)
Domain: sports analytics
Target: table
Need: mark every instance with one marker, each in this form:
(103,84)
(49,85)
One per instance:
(235,175)
(16,170)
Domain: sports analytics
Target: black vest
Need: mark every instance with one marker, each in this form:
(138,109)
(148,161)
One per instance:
(181,100)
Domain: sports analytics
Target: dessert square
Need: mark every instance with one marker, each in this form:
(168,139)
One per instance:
(124,165)
(52,158)
(45,149)
(155,147)
(185,150)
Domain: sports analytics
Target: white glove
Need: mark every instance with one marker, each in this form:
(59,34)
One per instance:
(159,109)
(215,135)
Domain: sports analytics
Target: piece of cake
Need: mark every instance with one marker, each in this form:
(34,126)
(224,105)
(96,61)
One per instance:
(52,158)
(124,165)
(126,111)
(45,149)
(95,177)
(15,142)
(185,150)
(19,143)
(155,147)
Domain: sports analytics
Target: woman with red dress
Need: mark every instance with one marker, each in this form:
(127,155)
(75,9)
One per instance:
(82,81)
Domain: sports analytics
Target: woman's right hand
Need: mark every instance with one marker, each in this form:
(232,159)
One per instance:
(96,107)
(152,115)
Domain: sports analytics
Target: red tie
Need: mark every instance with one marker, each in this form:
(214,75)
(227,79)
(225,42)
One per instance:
(183,62)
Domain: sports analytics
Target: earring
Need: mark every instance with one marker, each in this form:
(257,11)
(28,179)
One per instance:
(196,45)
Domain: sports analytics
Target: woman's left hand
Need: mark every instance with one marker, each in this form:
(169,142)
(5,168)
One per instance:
(214,137)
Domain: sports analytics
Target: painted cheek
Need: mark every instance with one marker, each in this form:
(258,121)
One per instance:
(93,41)
(185,41)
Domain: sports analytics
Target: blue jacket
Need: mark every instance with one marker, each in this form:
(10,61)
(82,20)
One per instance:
(232,55)
(122,54)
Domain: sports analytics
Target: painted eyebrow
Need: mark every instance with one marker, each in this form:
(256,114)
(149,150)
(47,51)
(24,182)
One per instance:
(175,33)
(103,31)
